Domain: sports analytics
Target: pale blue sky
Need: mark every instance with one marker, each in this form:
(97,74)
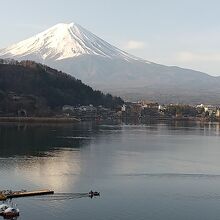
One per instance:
(172,32)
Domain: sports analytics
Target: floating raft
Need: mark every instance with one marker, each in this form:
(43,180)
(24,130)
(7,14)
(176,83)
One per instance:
(25,194)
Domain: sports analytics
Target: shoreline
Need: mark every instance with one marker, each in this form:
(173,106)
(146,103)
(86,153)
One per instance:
(60,120)
(39,119)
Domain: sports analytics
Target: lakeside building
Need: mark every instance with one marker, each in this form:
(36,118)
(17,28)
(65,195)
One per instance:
(210,109)
(217,113)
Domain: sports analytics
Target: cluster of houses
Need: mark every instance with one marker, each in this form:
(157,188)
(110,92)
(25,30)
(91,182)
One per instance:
(153,110)
(143,110)
(210,109)
(91,113)
(24,106)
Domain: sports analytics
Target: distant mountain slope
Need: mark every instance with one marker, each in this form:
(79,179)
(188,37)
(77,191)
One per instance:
(46,86)
(73,49)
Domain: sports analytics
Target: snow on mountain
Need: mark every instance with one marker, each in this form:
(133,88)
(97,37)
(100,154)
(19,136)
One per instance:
(64,41)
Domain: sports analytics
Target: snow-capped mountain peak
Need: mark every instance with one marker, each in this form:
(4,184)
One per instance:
(64,41)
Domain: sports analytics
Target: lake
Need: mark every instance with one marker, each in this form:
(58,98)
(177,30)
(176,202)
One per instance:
(144,171)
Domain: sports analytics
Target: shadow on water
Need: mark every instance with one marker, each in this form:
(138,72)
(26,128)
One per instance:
(34,140)
(10,218)
(18,139)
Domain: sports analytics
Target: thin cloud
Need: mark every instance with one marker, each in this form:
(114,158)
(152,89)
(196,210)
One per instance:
(134,45)
(186,56)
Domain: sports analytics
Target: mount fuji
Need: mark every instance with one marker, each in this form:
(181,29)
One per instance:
(75,50)
(64,41)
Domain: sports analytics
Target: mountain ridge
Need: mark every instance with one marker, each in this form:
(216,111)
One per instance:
(73,49)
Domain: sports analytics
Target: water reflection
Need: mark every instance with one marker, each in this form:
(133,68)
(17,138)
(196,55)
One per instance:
(48,155)
(34,140)
(206,128)
(38,140)
(144,171)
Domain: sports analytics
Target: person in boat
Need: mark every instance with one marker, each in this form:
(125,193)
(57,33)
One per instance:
(96,193)
(91,194)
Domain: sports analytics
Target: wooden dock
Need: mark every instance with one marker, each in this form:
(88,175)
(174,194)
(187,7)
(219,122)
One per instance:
(27,194)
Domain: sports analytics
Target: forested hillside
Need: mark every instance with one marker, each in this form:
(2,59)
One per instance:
(41,89)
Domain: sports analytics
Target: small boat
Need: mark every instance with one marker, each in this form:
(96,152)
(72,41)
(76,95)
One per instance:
(3,207)
(91,193)
(96,194)
(11,212)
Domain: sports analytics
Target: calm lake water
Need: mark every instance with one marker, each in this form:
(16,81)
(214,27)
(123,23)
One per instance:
(152,171)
